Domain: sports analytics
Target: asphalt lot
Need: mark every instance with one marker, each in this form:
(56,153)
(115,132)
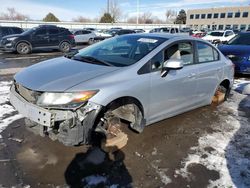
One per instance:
(205,147)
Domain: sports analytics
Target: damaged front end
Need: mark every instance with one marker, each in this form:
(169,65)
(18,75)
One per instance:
(71,126)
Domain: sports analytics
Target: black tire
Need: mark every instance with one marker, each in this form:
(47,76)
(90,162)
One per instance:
(91,41)
(65,47)
(23,48)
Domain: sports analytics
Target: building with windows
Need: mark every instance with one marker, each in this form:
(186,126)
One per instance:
(237,18)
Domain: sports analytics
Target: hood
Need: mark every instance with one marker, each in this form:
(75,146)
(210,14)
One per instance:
(59,74)
(239,50)
(14,35)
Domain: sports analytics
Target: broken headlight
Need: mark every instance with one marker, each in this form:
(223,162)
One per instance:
(65,100)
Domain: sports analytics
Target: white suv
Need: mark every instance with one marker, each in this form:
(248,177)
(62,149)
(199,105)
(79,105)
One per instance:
(219,36)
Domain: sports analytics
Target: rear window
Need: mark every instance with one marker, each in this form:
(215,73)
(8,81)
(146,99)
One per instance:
(206,53)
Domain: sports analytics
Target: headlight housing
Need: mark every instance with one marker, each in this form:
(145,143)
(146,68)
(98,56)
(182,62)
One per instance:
(65,100)
(11,38)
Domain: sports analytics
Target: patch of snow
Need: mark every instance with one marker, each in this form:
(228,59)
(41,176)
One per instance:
(246,90)
(240,86)
(161,172)
(6,109)
(94,179)
(229,147)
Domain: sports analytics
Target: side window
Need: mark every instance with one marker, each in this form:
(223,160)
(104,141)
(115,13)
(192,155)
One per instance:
(53,31)
(157,61)
(182,50)
(41,32)
(206,53)
(216,55)
(85,32)
(78,32)
(172,30)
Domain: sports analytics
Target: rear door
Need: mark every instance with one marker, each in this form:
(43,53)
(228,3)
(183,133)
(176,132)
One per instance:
(54,38)
(40,38)
(176,92)
(210,71)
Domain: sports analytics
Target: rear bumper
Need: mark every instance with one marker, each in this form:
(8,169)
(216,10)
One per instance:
(67,126)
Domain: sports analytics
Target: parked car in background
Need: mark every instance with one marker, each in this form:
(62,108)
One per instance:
(115,32)
(90,29)
(102,34)
(139,30)
(217,37)
(84,36)
(4,31)
(139,78)
(199,34)
(165,30)
(41,37)
(238,50)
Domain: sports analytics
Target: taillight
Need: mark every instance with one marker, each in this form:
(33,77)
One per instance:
(71,36)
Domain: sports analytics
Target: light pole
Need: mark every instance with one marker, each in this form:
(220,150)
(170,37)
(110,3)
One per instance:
(138,12)
(108,6)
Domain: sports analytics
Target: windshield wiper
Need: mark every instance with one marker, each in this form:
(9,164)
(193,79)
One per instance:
(91,60)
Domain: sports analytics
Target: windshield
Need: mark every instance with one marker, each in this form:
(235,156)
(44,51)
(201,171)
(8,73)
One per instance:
(216,34)
(241,39)
(29,31)
(121,51)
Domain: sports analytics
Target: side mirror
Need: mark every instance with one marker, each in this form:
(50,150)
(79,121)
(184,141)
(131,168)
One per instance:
(171,64)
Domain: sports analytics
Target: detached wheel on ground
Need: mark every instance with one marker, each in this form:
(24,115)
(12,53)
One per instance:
(65,47)
(23,48)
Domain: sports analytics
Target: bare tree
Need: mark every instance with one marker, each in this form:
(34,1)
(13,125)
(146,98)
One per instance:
(145,18)
(82,19)
(170,15)
(115,10)
(12,14)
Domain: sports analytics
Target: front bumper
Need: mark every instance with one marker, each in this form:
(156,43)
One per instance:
(71,127)
(7,46)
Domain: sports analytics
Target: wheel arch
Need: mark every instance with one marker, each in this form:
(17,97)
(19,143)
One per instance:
(123,101)
(24,41)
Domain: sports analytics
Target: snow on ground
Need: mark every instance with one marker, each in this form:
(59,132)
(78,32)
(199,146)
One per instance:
(227,150)
(6,110)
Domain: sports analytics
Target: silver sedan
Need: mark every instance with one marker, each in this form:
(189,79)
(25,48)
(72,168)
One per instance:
(140,78)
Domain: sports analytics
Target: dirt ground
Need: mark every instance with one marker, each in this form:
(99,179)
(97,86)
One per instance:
(155,158)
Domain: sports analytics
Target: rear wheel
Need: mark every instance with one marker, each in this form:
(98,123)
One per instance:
(23,48)
(65,47)
(91,41)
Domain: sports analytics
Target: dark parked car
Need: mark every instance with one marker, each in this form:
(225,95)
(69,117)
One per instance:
(139,30)
(238,50)
(9,31)
(165,30)
(41,37)
(115,32)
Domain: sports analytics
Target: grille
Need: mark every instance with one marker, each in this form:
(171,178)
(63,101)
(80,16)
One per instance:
(27,94)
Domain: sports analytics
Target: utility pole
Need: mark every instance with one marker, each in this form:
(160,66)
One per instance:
(138,13)
(108,6)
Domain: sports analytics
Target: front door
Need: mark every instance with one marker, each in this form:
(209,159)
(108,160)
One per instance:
(176,92)
(40,38)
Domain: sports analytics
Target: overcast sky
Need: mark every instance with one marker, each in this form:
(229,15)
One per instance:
(66,10)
